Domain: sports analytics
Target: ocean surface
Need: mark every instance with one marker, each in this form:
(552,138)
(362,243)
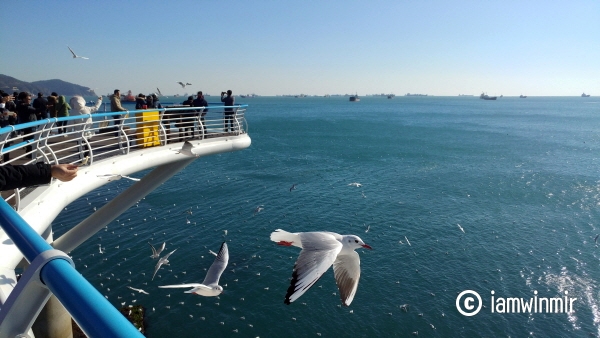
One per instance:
(520,177)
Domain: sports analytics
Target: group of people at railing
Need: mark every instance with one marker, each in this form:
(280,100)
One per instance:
(21,108)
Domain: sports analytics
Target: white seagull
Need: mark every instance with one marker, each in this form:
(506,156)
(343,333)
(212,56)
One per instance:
(355,184)
(116,177)
(319,251)
(186,149)
(461,228)
(156,253)
(75,56)
(138,290)
(164,260)
(184,84)
(210,286)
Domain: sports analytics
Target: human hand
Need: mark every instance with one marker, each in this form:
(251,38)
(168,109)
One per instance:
(64,172)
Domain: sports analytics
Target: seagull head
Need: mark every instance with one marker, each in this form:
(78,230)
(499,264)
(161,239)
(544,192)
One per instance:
(354,242)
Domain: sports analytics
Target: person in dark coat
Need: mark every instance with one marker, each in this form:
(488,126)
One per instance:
(201,102)
(26,113)
(187,121)
(41,106)
(140,101)
(21,176)
(228,100)
(156,102)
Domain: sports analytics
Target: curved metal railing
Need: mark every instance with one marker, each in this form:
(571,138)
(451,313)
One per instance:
(89,137)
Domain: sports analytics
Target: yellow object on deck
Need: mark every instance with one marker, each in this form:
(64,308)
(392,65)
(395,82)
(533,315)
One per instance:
(148,123)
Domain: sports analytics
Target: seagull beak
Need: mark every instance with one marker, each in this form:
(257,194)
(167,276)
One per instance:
(367,247)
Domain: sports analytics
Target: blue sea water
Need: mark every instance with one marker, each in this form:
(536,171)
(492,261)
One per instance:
(520,176)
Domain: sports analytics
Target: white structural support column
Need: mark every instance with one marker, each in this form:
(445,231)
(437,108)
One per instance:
(118,205)
(27,299)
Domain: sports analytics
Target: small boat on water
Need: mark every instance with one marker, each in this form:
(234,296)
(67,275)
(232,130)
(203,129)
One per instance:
(129,97)
(354,98)
(523,96)
(486,97)
(585,95)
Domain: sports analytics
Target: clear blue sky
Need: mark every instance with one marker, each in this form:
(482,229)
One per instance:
(311,47)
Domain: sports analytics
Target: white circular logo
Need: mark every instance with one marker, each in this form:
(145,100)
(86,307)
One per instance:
(465,303)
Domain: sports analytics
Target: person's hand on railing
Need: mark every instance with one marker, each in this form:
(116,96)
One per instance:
(64,172)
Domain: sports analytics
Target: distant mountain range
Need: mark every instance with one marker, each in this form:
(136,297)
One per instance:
(10,85)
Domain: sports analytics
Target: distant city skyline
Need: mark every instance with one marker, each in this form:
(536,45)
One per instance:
(442,48)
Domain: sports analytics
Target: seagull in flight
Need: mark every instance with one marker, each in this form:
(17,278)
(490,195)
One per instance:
(156,253)
(320,250)
(164,260)
(186,149)
(596,239)
(116,177)
(138,290)
(159,93)
(355,184)
(210,286)
(293,187)
(184,84)
(258,209)
(461,228)
(75,56)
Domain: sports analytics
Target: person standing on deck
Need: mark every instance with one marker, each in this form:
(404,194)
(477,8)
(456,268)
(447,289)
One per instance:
(229,100)
(26,113)
(155,102)
(9,117)
(187,117)
(201,102)
(62,110)
(41,106)
(52,101)
(115,106)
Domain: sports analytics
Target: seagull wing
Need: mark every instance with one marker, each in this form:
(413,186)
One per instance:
(319,251)
(160,262)
(346,269)
(218,266)
(110,177)
(190,285)
(131,178)
(162,247)
(182,85)
(154,253)
(72,52)
(169,254)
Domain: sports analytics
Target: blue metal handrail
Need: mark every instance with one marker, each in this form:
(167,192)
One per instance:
(94,314)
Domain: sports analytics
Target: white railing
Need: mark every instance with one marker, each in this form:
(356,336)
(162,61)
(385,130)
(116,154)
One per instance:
(87,138)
